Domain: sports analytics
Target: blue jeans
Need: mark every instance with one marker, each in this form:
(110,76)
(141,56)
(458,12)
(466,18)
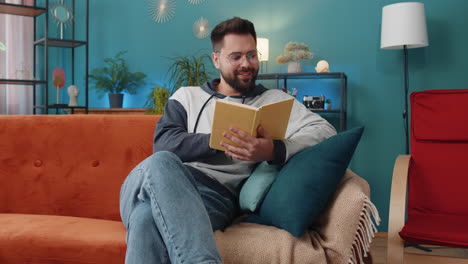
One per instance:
(169,216)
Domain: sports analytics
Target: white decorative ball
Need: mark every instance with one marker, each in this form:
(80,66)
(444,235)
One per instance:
(322,66)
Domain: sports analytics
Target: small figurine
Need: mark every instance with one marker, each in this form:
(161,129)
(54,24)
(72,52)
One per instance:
(73,94)
(322,66)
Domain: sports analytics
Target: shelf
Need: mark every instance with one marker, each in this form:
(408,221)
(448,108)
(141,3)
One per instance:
(60,42)
(113,111)
(301,75)
(21,10)
(340,76)
(70,109)
(21,82)
(60,106)
(324,111)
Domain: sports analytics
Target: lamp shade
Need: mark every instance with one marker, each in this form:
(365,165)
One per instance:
(263,48)
(403,24)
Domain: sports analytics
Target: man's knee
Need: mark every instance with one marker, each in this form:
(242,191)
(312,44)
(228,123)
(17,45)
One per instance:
(164,166)
(164,158)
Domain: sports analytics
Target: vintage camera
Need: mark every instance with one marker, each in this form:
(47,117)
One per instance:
(314,102)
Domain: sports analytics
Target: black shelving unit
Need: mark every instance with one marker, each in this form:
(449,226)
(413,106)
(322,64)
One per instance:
(46,42)
(284,77)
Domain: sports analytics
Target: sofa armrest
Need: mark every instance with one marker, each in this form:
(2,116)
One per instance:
(345,229)
(397,209)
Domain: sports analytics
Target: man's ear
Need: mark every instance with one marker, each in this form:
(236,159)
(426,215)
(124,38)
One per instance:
(215,58)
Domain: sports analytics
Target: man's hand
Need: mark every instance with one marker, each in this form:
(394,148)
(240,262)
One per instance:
(248,147)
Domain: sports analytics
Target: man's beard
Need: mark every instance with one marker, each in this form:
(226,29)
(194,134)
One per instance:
(242,86)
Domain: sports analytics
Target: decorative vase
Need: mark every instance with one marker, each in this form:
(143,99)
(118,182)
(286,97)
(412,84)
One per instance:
(294,67)
(115,100)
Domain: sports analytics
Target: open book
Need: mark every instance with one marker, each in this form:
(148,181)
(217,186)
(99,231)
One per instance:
(273,117)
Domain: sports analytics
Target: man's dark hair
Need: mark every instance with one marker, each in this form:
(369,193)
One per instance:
(235,25)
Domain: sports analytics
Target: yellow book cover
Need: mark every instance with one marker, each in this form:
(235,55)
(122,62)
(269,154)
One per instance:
(273,117)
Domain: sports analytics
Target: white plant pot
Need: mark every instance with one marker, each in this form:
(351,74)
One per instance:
(294,67)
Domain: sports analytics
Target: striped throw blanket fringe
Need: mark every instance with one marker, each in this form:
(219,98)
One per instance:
(364,233)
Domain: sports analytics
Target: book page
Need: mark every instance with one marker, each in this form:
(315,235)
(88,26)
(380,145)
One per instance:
(275,117)
(229,114)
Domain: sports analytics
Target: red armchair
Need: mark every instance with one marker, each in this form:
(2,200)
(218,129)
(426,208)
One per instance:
(435,178)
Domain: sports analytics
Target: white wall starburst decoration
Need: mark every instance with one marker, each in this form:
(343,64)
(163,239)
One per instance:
(195,2)
(201,28)
(162,10)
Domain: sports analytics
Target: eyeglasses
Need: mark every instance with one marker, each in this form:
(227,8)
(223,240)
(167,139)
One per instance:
(235,58)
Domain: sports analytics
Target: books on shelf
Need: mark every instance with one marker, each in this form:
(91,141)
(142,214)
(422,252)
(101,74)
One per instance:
(273,117)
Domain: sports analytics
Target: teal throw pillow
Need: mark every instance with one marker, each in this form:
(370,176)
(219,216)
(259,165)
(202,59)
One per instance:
(306,182)
(257,185)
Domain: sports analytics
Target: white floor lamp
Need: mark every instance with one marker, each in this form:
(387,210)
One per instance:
(404,27)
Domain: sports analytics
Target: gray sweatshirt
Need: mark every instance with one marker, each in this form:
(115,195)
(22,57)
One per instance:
(185,129)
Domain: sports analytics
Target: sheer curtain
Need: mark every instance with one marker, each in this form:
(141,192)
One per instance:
(16,62)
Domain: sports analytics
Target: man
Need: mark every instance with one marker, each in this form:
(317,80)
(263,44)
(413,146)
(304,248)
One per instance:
(173,201)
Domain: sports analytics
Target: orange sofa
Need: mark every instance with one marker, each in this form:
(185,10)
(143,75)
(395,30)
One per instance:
(60,179)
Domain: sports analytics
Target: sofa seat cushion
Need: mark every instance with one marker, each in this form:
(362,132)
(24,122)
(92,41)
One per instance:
(436,229)
(60,239)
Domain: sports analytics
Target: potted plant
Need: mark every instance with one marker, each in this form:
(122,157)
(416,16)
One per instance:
(188,71)
(294,52)
(183,71)
(328,103)
(157,99)
(115,78)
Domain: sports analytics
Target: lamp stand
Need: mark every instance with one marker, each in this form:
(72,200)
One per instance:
(405,110)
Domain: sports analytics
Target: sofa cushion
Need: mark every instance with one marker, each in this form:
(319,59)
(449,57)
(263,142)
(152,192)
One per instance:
(58,165)
(437,115)
(436,229)
(439,147)
(257,185)
(60,239)
(306,182)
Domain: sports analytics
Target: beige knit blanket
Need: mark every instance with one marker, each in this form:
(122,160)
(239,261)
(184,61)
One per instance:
(341,235)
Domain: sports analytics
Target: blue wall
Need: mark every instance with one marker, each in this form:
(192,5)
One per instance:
(345,33)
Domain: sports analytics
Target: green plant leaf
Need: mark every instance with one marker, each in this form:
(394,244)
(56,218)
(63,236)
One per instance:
(157,99)
(187,71)
(116,77)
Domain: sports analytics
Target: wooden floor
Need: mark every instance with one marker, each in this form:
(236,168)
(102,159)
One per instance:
(379,250)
